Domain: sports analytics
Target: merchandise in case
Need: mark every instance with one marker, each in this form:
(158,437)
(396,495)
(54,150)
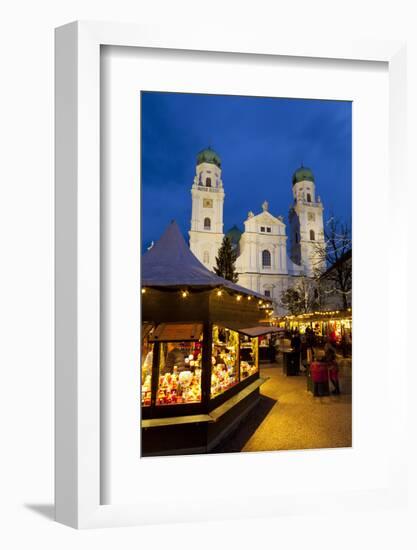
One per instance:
(146,370)
(248,356)
(179,372)
(224,359)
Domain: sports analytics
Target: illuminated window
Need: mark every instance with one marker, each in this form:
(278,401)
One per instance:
(266,258)
(179,376)
(224,360)
(207,223)
(146,365)
(312,235)
(248,356)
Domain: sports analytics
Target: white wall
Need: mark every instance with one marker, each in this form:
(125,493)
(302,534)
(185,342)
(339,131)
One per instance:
(26,404)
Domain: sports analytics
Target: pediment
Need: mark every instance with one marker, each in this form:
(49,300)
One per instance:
(267,218)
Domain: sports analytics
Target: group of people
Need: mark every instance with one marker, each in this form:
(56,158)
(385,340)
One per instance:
(306,346)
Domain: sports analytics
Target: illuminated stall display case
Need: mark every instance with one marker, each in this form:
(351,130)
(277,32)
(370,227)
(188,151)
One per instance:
(199,356)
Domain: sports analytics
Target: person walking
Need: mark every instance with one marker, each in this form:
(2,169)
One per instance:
(311,342)
(296,346)
(272,349)
(333,369)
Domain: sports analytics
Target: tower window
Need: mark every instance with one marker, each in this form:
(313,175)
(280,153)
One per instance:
(296,237)
(208,182)
(308,197)
(312,235)
(263,229)
(268,230)
(207,223)
(206,257)
(267,293)
(266,258)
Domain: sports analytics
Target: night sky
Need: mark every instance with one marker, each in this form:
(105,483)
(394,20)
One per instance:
(261,142)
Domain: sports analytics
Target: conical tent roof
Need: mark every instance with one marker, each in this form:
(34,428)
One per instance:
(170,263)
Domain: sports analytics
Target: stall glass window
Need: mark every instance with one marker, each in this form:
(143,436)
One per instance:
(224,360)
(248,356)
(146,370)
(179,373)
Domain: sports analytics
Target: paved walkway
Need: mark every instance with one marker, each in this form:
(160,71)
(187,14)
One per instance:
(289,417)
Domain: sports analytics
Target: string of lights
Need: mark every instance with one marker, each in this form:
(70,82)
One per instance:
(220,292)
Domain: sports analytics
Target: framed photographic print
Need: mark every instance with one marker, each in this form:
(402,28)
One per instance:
(216,206)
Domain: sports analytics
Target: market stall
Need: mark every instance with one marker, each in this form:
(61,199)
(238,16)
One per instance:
(337,324)
(200,354)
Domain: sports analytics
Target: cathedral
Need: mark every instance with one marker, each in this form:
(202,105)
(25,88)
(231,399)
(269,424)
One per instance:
(265,262)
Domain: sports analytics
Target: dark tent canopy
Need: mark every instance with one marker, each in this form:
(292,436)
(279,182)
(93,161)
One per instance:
(170,263)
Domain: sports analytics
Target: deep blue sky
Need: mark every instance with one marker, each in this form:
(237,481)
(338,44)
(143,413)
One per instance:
(261,142)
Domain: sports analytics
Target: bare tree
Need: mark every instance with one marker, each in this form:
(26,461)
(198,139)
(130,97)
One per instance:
(300,298)
(335,253)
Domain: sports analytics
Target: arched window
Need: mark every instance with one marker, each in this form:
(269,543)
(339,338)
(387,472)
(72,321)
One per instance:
(208,182)
(308,197)
(312,236)
(207,223)
(266,258)
(206,257)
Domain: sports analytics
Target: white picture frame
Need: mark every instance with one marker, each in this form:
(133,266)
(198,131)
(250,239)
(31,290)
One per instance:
(78,426)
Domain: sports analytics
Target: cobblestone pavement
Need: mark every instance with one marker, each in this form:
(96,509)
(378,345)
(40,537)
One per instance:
(289,417)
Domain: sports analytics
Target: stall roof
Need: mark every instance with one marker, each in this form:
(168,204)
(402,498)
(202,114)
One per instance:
(253,331)
(177,332)
(170,263)
(261,331)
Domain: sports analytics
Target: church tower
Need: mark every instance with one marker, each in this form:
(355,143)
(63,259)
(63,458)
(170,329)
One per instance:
(206,233)
(306,223)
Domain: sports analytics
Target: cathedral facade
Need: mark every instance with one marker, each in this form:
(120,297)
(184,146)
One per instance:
(266,262)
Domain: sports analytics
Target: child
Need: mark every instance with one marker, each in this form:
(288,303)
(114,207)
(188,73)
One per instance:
(330,358)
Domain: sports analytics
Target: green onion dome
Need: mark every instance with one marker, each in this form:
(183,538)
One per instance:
(302,174)
(210,156)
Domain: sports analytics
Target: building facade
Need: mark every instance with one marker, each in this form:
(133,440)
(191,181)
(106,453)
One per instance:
(263,262)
